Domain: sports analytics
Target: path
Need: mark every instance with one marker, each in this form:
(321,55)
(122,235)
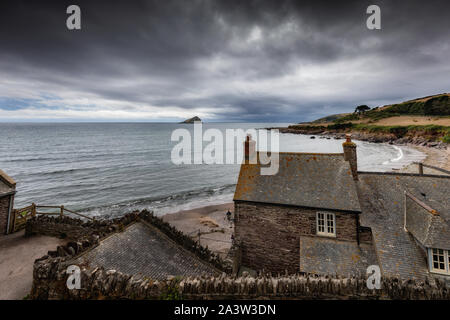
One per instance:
(17,255)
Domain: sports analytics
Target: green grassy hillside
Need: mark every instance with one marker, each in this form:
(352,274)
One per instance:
(436,105)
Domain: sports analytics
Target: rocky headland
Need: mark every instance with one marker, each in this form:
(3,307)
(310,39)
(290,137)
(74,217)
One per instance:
(192,120)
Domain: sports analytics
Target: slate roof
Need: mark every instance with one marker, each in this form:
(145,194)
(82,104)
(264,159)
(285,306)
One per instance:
(382,198)
(142,249)
(304,179)
(7,184)
(427,226)
(328,256)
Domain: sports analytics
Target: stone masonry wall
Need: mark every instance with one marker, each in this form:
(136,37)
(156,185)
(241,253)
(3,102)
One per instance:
(269,234)
(50,283)
(4,210)
(365,235)
(74,229)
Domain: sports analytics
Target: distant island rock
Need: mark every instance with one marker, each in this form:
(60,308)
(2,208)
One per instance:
(192,120)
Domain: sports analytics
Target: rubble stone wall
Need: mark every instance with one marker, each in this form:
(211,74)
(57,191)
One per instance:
(50,283)
(365,235)
(73,229)
(269,234)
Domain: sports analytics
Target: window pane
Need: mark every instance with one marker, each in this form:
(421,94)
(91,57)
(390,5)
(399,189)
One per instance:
(330,223)
(448,262)
(326,223)
(448,258)
(321,222)
(439,259)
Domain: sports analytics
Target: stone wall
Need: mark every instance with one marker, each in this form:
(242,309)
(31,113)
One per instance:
(74,229)
(365,235)
(50,283)
(269,234)
(4,211)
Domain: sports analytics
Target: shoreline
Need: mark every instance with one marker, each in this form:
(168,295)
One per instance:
(207,224)
(436,157)
(415,140)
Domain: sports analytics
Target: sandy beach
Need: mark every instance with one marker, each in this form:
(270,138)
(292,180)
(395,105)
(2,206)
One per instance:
(208,223)
(435,157)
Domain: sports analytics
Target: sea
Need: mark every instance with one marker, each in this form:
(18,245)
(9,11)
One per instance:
(109,169)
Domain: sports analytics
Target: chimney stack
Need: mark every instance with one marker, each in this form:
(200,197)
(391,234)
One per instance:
(250,150)
(350,155)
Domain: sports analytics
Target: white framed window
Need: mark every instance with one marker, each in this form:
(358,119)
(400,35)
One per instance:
(326,224)
(439,260)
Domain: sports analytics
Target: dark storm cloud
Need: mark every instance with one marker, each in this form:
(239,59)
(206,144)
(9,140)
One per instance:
(227,60)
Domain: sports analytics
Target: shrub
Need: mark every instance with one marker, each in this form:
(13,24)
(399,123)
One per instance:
(350,117)
(341,126)
(172,292)
(446,138)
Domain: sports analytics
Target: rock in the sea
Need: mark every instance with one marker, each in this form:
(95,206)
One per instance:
(192,120)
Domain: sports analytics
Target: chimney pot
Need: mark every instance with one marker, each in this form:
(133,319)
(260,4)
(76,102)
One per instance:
(348,137)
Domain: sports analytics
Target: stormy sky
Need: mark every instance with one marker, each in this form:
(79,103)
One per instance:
(262,61)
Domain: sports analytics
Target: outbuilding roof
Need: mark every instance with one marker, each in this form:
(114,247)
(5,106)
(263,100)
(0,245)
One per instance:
(304,179)
(382,197)
(427,225)
(329,256)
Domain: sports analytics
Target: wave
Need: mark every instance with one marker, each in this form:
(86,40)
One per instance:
(167,204)
(29,159)
(400,151)
(400,156)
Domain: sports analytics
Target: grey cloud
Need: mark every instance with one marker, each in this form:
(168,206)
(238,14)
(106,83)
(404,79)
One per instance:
(161,53)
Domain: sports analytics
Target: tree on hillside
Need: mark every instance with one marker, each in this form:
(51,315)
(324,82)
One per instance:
(361,109)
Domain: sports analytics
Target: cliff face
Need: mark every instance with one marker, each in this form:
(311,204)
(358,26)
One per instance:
(192,120)
(422,121)
(424,136)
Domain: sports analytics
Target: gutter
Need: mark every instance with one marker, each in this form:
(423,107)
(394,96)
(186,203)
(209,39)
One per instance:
(299,206)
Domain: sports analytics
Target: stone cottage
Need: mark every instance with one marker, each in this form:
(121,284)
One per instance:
(320,215)
(7,192)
